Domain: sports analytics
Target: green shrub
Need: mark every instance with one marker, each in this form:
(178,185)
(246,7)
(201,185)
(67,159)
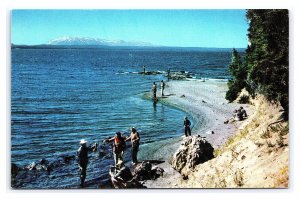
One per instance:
(244,99)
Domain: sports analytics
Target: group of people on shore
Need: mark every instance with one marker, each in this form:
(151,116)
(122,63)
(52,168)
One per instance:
(119,143)
(162,88)
(119,146)
(240,114)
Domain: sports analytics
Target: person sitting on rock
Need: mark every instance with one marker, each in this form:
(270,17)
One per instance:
(123,178)
(119,146)
(240,114)
(187,128)
(243,111)
(122,172)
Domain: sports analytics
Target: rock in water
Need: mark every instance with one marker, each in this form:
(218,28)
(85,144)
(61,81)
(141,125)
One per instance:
(193,150)
(14,169)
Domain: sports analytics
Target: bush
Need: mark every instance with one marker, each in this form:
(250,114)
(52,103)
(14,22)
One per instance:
(244,99)
(233,91)
(239,76)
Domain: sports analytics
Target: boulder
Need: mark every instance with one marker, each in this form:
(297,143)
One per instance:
(151,73)
(31,166)
(14,169)
(123,178)
(67,158)
(144,171)
(94,147)
(193,150)
(210,132)
(43,161)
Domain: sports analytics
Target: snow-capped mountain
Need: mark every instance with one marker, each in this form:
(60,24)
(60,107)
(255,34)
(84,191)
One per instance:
(93,41)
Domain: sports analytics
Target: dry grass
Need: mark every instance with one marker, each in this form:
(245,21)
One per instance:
(282,179)
(259,149)
(233,140)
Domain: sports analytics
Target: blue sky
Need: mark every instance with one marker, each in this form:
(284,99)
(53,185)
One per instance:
(185,28)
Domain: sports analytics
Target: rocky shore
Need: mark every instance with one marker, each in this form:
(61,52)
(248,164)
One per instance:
(252,153)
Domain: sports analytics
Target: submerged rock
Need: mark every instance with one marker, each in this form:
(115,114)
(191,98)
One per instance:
(180,75)
(193,150)
(14,169)
(151,73)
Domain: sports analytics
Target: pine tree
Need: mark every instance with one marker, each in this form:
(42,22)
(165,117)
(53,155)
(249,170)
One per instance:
(267,56)
(239,76)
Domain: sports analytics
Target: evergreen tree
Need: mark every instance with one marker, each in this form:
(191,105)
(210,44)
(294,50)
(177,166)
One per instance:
(267,55)
(239,75)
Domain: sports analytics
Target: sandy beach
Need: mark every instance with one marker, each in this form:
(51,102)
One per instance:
(205,102)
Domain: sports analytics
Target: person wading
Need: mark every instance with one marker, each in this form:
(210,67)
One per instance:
(83,159)
(187,128)
(154,88)
(135,143)
(162,87)
(119,146)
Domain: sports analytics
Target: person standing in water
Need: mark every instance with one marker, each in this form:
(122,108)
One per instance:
(119,146)
(144,70)
(162,87)
(83,159)
(135,142)
(154,88)
(187,128)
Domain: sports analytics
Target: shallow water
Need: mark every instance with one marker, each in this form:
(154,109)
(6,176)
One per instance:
(60,96)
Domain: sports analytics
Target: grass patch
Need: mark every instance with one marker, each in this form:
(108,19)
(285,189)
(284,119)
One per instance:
(282,180)
(270,144)
(266,134)
(231,141)
(284,131)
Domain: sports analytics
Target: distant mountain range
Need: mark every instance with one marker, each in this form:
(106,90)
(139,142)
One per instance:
(88,41)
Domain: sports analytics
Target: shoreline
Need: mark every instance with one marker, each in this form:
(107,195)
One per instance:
(205,102)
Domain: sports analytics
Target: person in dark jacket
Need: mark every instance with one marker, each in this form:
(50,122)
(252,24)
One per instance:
(162,87)
(83,159)
(154,89)
(187,126)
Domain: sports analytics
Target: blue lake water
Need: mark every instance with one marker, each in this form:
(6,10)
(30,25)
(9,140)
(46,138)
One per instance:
(59,96)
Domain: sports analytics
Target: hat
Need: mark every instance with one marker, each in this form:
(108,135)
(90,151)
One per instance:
(83,141)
